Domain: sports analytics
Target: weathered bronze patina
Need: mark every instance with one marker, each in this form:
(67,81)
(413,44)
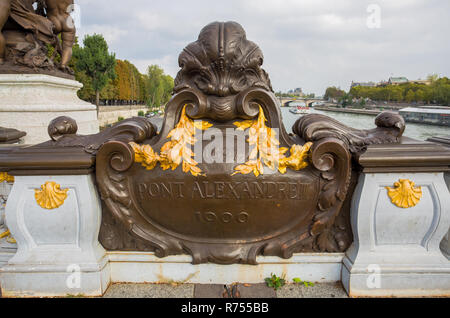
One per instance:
(25,32)
(10,136)
(288,193)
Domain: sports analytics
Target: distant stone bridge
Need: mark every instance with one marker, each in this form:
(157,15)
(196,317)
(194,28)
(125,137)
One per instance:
(285,102)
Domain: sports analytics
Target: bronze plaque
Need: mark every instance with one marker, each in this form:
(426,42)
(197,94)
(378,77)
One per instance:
(276,195)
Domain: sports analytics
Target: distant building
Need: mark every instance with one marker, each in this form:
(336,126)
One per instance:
(297,92)
(397,80)
(391,81)
(419,81)
(363,84)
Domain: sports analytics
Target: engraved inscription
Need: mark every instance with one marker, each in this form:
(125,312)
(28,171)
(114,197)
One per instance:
(225,190)
(170,190)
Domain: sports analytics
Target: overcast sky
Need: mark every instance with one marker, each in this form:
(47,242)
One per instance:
(310,44)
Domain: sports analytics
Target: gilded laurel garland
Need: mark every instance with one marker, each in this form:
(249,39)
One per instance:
(405,194)
(145,155)
(266,151)
(262,139)
(50,196)
(176,151)
(6,177)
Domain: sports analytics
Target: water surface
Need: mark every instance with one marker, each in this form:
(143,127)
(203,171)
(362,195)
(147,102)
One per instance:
(416,131)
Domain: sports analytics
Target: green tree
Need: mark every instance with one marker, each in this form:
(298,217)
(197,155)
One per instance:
(345,100)
(159,86)
(410,96)
(420,95)
(333,92)
(96,62)
(86,92)
(433,78)
(441,91)
(396,93)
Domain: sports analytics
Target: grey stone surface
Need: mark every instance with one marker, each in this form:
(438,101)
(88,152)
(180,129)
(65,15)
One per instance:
(326,290)
(150,291)
(323,290)
(243,291)
(256,291)
(209,291)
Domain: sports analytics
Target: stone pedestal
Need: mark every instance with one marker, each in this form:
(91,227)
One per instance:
(58,250)
(28,102)
(398,251)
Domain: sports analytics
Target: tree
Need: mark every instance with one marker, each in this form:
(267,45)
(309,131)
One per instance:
(433,77)
(333,93)
(345,100)
(410,96)
(159,86)
(441,91)
(96,62)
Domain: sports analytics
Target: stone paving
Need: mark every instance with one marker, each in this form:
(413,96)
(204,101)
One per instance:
(331,290)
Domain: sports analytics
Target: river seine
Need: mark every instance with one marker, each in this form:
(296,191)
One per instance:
(416,131)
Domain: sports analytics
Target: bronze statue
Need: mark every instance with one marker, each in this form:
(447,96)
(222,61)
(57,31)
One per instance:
(58,13)
(25,32)
(5,9)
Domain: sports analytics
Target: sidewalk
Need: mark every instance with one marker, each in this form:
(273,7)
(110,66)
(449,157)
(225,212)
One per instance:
(331,290)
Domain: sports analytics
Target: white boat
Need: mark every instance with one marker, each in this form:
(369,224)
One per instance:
(299,110)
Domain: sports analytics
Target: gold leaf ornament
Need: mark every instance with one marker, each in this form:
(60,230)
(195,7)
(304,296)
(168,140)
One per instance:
(297,160)
(265,149)
(6,177)
(176,151)
(404,194)
(50,196)
(145,155)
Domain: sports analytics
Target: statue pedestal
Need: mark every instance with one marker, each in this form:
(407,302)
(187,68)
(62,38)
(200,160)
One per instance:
(399,251)
(28,102)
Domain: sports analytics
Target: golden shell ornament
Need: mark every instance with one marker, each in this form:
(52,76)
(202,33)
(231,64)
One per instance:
(405,194)
(8,236)
(50,196)
(6,177)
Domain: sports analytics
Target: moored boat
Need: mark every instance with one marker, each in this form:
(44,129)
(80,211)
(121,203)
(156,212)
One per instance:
(436,115)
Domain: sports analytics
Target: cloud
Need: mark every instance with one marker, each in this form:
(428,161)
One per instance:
(310,43)
(168,63)
(111,34)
